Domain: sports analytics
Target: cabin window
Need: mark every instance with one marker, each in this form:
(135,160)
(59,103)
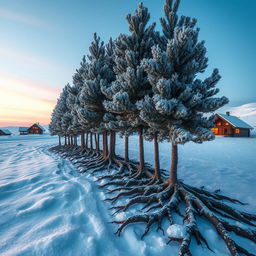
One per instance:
(215,130)
(237,131)
(226,123)
(219,123)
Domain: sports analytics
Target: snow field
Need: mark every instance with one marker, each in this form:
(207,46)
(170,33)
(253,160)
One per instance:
(48,208)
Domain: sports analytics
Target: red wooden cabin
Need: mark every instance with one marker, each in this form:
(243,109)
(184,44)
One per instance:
(227,125)
(5,132)
(34,129)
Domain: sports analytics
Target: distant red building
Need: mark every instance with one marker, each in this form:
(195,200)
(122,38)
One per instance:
(34,129)
(4,132)
(227,125)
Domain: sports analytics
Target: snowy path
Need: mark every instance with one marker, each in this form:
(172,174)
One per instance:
(47,208)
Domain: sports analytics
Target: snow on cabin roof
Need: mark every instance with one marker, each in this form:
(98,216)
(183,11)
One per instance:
(6,131)
(235,121)
(40,126)
(23,129)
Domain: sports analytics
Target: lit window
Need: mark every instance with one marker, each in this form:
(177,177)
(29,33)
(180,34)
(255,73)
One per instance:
(215,130)
(219,123)
(226,123)
(237,131)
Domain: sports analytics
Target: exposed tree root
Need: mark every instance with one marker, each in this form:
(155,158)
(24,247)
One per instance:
(122,167)
(116,176)
(157,197)
(104,163)
(198,202)
(66,151)
(160,200)
(88,158)
(139,190)
(126,183)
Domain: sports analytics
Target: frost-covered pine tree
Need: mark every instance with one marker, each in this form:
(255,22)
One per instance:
(112,121)
(180,99)
(131,82)
(56,124)
(73,102)
(66,115)
(182,105)
(99,71)
(158,92)
(74,92)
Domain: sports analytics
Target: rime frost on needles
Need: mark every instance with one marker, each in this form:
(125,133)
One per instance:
(99,73)
(179,99)
(131,83)
(59,122)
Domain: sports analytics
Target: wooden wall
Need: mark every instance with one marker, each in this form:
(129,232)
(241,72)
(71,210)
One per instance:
(226,129)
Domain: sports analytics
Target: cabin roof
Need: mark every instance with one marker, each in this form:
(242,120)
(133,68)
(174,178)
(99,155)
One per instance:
(38,125)
(235,121)
(23,129)
(6,131)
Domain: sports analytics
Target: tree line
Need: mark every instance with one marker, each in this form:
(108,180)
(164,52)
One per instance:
(147,82)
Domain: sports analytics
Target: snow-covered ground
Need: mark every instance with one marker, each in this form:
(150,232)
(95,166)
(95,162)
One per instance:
(47,208)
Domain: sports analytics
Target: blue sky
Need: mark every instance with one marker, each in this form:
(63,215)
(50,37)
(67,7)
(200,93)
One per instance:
(42,43)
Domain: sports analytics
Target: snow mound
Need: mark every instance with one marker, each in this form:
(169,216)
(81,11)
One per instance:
(246,112)
(176,231)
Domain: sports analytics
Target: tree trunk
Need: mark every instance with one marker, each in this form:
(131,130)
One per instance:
(126,149)
(141,149)
(157,165)
(105,144)
(112,147)
(86,142)
(98,139)
(69,142)
(173,170)
(96,142)
(75,140)
(59,141)
(65,141)
(82,140)
(91,140)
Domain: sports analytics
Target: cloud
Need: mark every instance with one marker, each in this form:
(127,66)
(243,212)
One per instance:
(22,18)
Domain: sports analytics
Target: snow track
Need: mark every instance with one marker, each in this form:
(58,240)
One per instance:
(48,208)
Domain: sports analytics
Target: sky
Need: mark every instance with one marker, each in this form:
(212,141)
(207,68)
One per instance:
(42,44)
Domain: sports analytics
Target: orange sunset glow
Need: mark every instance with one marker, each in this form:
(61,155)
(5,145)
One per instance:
(33,66)
(24,102)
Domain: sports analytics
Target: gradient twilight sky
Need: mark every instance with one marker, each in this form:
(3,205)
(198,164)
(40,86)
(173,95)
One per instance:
(42,43)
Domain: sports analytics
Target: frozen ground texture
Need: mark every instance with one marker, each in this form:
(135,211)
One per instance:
(47,208)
